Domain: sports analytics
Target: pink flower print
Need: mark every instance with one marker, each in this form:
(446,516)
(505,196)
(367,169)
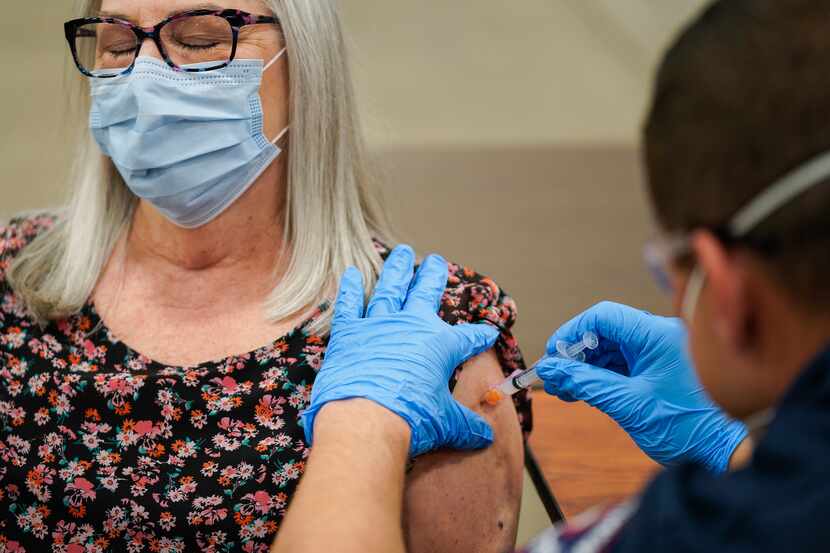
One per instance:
(81,489)
(61,529)
(229,384)
(206,511)
(17,415)
(14,387)
(118,386)
(63,406)
(167,521)
(90,350)
(315,361)
(268,411)
(288,472)
(198,419)
(234,364)
(68,431)
(300,397)
(14,547)
(223,442)
(293,471)
(74,548)
(260,502)
(14,337)
(142,428)
(41,416)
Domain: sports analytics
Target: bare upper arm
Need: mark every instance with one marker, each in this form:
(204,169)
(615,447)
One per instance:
(469,501)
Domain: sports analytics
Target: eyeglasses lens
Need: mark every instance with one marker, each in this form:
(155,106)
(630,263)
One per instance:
(202,39)
(109,49)
(105,49)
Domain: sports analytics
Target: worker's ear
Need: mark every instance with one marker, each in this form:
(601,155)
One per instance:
(727,293)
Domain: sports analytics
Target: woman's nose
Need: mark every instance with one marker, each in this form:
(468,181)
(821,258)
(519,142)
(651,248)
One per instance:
(149,49)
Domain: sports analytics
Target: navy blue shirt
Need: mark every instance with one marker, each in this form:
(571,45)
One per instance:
(779,503)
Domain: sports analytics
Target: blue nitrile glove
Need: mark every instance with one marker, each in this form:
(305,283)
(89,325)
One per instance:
(642,377)
(401,355)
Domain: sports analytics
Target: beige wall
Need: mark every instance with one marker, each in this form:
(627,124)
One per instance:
(516,72)
(34,149)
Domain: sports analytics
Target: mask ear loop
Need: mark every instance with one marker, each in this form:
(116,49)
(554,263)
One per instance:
(274,60)
(279,136)
(692,296)
(264,69)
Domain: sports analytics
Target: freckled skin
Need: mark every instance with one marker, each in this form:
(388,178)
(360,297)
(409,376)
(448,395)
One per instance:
(474,491)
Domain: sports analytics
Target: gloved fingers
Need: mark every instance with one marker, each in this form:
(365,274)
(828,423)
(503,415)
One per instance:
(391,289)
(472,340)
(307,419)
(349,304)
(472,432)
(574,381)
(428,287)
(608,356)
(614,322)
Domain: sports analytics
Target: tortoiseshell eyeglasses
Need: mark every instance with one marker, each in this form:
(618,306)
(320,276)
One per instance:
(194,41)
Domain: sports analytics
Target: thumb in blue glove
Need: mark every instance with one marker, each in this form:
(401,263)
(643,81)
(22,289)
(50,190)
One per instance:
(401,355)
(641,376)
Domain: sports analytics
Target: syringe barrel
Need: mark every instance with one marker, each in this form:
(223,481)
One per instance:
(515,384)
(518,382)
(527,378)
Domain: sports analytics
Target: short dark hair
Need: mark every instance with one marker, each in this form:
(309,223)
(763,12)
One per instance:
(741,99)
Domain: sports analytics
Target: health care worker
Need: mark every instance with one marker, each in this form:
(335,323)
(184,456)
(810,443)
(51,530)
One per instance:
(739,172)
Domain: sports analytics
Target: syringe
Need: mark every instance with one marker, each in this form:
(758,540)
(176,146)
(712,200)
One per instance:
(525,379)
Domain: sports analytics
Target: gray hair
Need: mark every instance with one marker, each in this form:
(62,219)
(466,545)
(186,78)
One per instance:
(332,213)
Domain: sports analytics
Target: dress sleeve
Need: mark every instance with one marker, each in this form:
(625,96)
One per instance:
(474,298)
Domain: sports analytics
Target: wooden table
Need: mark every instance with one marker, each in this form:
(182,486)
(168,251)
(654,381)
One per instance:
(587,459)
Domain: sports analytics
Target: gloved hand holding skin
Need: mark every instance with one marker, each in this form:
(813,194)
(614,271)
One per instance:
(641,376)
(401,355)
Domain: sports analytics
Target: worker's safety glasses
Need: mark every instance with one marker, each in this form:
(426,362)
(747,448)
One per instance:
(664,251)
(661,252)
(194,41)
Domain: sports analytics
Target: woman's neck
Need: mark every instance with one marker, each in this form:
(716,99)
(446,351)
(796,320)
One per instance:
(243,246)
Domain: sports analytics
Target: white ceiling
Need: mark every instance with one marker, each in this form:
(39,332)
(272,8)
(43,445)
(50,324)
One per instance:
(478,72)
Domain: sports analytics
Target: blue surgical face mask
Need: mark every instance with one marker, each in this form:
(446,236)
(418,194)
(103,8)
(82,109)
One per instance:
(188,143)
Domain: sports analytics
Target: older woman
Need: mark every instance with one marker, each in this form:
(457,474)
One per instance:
(160,335)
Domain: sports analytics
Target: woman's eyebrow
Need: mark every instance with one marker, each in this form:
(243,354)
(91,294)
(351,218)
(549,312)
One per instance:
(203,6)
(113,15)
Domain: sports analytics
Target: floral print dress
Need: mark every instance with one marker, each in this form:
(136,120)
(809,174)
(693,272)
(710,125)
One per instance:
(104,449)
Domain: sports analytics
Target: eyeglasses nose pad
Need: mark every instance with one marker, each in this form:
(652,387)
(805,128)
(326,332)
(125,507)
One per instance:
(150,50)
